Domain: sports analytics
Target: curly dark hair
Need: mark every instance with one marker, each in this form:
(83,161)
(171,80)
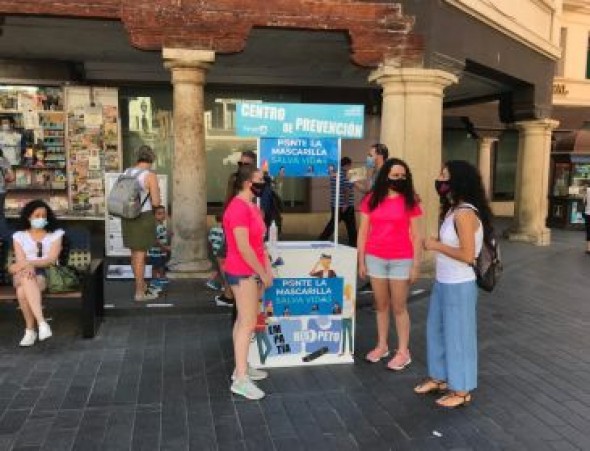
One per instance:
(466,186)
(381,187)
(25,224)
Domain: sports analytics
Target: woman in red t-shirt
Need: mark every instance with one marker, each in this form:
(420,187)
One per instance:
(389,248)
(246,268)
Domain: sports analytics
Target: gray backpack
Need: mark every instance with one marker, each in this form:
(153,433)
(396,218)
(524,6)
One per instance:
(124,200)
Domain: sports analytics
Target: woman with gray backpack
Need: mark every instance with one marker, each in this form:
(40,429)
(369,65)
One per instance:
(133,198)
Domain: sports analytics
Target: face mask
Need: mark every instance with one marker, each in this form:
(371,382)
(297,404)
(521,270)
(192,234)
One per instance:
(442,187)
(38,223)
(398,185)
(5,127)
(256,188)
(370,162)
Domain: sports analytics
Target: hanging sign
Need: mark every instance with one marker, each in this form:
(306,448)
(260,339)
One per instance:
(299,157)
(278,120)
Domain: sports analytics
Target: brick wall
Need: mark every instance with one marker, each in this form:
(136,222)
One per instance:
(377,30)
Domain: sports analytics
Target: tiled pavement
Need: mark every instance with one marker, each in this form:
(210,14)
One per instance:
(161,381)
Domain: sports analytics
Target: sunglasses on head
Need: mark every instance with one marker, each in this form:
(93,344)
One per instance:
(39,250)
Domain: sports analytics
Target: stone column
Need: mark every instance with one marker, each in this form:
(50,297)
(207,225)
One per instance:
(189,181)
(411,127)
(485,162)
(532,182)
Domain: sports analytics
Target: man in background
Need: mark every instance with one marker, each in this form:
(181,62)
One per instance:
(345,204)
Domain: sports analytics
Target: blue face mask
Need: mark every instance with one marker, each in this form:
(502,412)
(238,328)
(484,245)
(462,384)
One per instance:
(38,223)
(370,162)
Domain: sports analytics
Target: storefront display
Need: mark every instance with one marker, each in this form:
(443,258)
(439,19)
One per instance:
(33,140)
(60,142)
(93,140)
(569,181)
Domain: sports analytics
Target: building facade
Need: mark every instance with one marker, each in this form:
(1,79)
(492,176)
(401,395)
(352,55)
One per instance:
(406,61)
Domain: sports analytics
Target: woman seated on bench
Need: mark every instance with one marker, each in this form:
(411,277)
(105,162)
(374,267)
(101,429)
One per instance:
(37,245)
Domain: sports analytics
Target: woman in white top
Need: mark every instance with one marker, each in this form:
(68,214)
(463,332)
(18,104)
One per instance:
(452,320)
(139,234)
(37,245)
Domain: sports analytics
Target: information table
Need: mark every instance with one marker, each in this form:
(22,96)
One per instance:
(308,316)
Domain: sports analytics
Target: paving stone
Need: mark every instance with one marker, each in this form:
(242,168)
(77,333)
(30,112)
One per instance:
(161,381)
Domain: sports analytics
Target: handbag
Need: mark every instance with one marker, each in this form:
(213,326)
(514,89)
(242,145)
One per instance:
(61,279)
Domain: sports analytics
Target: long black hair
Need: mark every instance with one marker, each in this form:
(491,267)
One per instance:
(466,186)
(380,189)
(25,224)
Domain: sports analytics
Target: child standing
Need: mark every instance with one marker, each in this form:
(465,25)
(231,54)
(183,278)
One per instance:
(160,253)
(216,241)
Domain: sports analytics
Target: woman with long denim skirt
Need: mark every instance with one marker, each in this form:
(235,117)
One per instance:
(452,319)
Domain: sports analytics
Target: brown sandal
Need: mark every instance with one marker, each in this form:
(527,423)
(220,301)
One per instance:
(430,385)
(463,400)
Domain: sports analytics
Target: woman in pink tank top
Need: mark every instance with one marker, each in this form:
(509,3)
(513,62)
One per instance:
(247,271)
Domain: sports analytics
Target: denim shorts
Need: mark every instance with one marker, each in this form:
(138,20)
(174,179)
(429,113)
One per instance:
(393,269)
(233,279)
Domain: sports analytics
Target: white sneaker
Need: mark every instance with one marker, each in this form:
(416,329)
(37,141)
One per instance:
(246,388)
(29,338)
(44,331)
(253,373)
(147,296)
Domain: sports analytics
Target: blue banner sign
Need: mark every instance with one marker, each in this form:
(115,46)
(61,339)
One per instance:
(299,157)
(282,120)
(306,296)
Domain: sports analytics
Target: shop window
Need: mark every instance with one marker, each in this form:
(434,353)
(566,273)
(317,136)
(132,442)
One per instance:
(505,152)
(147,119)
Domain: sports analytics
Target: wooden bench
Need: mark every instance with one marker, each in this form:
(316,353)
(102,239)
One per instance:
(91,295)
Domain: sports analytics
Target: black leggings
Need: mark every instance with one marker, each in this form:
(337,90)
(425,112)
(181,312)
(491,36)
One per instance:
(587,227)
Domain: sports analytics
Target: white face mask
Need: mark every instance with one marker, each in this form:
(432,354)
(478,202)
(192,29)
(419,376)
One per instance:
(38,223)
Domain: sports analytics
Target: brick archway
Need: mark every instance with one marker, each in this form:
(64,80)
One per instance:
(377,31)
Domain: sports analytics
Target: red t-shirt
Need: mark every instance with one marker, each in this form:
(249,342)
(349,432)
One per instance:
(240,213)
(389,228)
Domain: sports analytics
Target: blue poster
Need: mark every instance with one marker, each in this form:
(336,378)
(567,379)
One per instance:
(306,296)
(299,157)
(299,120)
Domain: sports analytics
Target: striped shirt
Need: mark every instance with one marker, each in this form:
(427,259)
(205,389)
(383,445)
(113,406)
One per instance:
(345,186)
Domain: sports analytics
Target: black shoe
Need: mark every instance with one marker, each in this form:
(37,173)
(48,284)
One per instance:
(223,301)
(366,288)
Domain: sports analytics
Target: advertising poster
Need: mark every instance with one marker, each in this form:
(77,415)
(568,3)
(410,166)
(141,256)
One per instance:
(307,316)
(112,229)
(299,157)
(295,120)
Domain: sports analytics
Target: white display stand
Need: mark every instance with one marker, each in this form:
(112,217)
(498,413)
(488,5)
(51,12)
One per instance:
(113,234)
(308,320)
(308,316)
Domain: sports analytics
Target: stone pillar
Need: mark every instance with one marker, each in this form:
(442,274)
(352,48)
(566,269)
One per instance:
(485,163)
(189,182)
(532,182)
(411,127)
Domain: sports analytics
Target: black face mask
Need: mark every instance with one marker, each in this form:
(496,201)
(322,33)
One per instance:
(257,188)
(398,185)
(442,187)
